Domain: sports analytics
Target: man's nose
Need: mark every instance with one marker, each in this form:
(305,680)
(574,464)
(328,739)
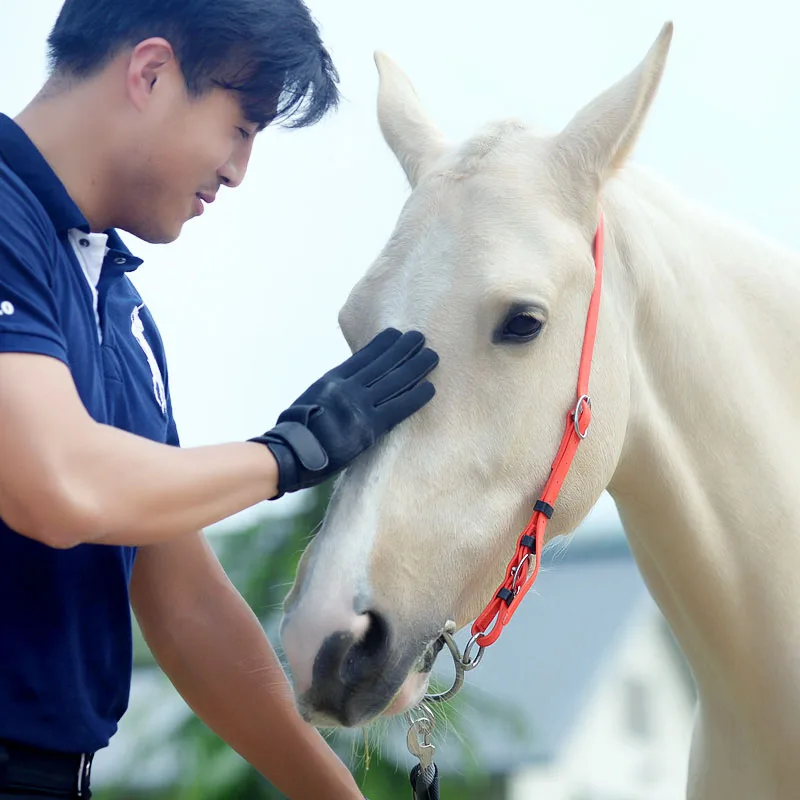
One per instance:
(232,173)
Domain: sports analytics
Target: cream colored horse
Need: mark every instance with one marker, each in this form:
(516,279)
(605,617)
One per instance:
(695,433)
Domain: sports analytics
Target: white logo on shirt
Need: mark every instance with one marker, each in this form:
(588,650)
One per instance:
(6,308)
(137,329)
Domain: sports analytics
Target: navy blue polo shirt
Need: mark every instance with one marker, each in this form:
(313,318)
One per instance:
(65,619)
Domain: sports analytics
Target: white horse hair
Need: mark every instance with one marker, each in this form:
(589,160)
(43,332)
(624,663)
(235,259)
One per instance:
(695,429)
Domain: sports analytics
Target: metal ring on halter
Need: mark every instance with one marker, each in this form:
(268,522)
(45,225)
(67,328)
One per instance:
(584,399)
(459,665)
(514,588)
(466,664)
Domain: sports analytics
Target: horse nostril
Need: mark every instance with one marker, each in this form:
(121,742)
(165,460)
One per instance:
(365,656)
(356,672)
(377,636)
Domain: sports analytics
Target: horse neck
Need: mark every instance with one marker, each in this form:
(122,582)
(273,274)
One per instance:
(706,485)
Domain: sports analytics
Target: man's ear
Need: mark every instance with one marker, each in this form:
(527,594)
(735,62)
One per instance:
(148,62)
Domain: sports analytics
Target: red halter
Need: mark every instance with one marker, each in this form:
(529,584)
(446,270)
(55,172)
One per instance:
(527,558)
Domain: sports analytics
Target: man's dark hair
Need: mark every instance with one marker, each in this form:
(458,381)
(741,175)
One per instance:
(268,51)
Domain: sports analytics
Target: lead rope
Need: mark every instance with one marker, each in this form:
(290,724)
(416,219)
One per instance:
(425,782)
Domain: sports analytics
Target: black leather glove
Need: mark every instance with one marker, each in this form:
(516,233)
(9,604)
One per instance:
(349,408)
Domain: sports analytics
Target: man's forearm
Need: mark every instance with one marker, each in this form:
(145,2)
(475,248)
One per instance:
(66,479)
(217,656)
(156,492)
(117,488)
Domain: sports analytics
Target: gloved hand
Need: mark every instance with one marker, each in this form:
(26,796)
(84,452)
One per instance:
(349,408)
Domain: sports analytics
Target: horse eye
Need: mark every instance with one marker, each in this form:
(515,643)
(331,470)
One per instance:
(521,328)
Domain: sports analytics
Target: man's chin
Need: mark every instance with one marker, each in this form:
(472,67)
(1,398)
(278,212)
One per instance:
(153,235)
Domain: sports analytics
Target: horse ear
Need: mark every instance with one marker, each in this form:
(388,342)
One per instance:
(406,127)
(601,135)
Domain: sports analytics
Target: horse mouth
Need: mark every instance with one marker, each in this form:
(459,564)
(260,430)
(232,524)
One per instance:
(414,688)
(382,694)
(429,654)
(411,694)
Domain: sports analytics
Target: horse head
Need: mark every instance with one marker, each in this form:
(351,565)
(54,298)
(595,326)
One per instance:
(492,258)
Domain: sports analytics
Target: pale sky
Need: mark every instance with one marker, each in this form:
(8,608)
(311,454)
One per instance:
(247,298)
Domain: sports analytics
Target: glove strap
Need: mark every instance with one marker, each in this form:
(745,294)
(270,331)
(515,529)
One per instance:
(290,442)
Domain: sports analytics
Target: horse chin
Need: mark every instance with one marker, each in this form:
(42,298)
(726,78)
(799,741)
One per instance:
(410,694)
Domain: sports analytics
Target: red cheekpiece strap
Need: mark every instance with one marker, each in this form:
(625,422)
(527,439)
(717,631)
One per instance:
(524,566)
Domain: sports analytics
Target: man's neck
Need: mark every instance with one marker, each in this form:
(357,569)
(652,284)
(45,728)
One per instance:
(67,130)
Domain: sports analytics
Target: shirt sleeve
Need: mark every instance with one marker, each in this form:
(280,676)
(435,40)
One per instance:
(28,308)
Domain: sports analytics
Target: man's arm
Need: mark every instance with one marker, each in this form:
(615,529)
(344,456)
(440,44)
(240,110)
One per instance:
(66,479)
(213,649)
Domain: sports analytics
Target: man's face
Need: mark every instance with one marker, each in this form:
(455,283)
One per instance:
(183,151)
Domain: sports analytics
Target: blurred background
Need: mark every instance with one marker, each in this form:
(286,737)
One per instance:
(585,696)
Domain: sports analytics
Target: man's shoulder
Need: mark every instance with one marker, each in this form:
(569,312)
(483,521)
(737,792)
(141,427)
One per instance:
(20,210)
(13,187)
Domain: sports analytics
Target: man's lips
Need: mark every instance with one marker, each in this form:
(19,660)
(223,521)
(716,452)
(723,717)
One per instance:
(200,198)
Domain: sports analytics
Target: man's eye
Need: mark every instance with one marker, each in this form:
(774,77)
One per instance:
(245,134)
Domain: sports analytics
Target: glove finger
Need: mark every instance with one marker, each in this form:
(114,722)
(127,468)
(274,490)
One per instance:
(404,377)
(403,406)
(405,348)
(368,353)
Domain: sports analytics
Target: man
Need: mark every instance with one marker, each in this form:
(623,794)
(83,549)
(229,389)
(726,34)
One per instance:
(149,109)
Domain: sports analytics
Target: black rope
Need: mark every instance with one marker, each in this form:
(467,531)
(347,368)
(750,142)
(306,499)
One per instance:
(425,782)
